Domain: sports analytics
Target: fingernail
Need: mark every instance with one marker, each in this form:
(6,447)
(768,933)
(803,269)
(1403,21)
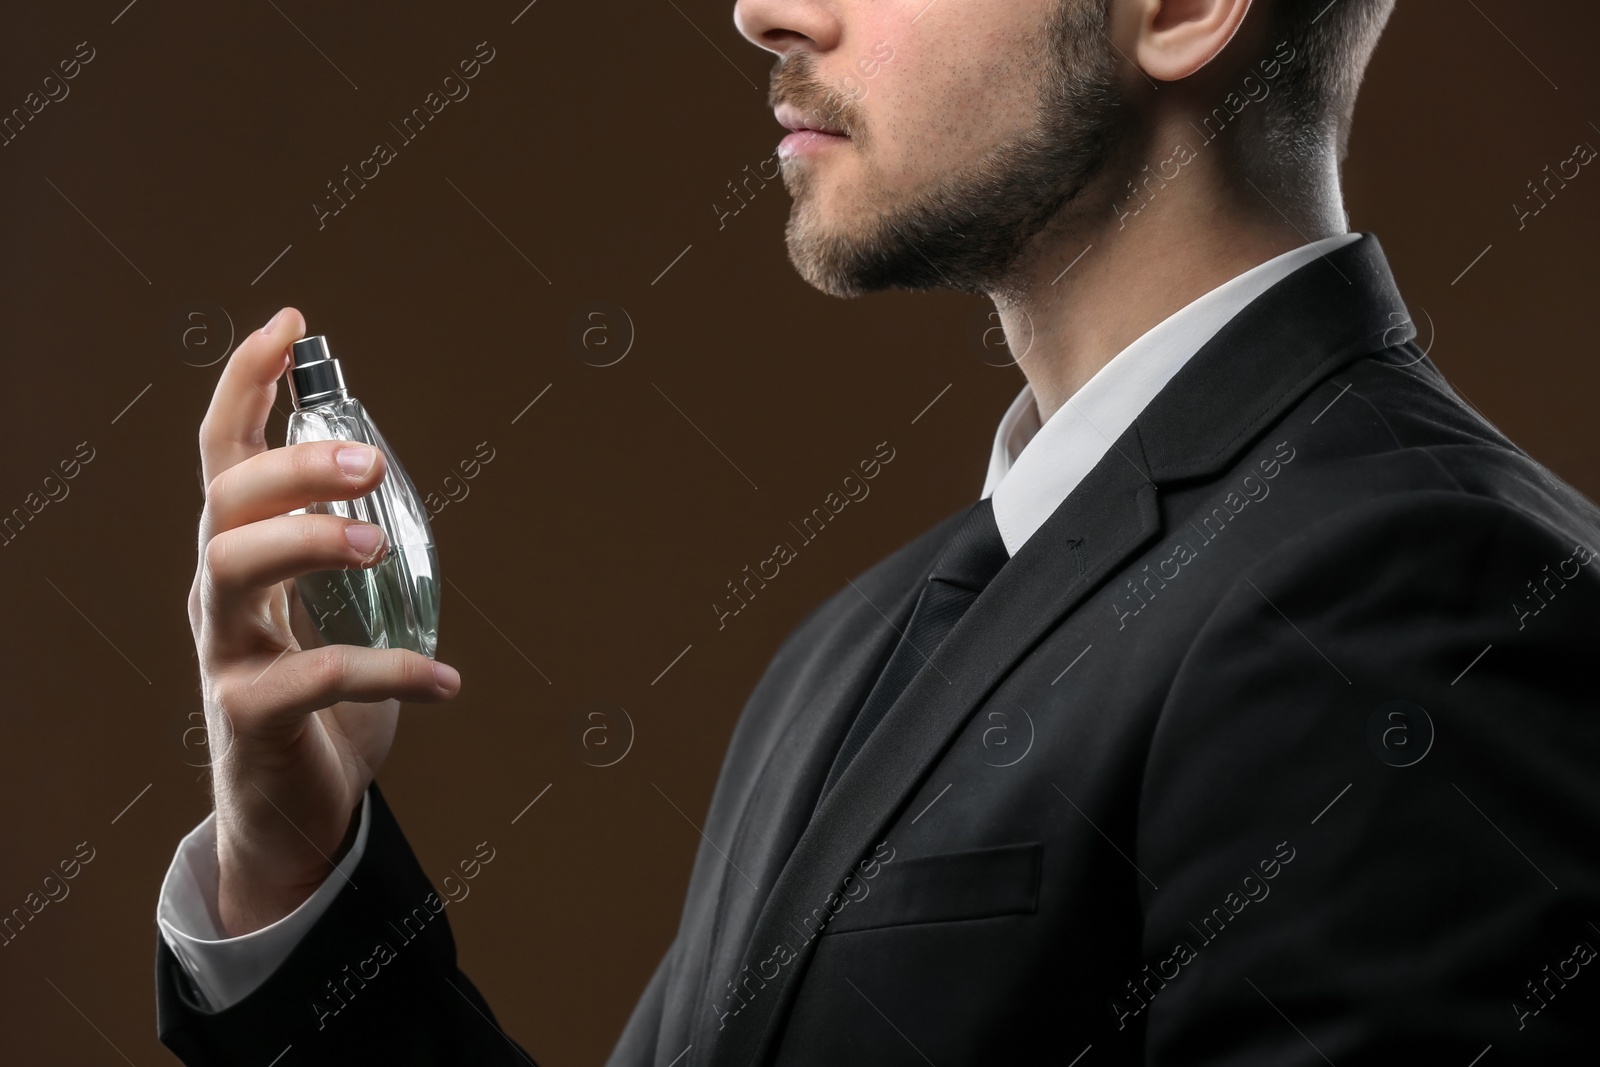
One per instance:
(272,322)
(356,460)
(446,677)
(364,537)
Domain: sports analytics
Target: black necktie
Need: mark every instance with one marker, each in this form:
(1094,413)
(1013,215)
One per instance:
(971,558)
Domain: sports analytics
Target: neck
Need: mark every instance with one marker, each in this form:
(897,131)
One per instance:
(1064,323)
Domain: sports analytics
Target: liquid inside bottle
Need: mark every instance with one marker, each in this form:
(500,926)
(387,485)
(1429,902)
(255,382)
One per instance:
(394,604)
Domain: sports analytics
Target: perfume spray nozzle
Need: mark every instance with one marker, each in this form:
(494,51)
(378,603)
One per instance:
(314,375)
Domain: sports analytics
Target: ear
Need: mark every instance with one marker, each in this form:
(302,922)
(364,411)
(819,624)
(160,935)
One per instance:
(1178,37)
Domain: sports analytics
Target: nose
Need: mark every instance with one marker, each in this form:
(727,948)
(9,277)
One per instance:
(780,26)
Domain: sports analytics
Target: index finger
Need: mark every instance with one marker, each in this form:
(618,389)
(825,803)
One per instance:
(234,428)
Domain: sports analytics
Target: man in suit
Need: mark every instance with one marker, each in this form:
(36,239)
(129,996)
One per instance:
(1244,719)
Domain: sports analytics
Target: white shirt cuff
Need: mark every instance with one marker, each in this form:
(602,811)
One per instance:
(228,969)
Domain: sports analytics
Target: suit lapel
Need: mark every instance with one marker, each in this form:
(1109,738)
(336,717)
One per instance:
(1323,316)
(777,800)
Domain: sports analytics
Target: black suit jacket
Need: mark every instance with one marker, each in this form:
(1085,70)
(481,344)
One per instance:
(1275,744)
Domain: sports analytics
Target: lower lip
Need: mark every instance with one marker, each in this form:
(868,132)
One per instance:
(803,142)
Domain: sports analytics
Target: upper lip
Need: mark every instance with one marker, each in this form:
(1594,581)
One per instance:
(791,117)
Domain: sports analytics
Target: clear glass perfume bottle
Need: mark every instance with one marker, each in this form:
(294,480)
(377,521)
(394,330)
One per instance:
(394,604)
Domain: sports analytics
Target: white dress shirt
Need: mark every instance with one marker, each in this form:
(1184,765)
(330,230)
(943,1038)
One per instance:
(1032,469)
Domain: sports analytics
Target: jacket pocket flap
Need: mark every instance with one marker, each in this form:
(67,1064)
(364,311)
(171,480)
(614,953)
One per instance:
(974,884)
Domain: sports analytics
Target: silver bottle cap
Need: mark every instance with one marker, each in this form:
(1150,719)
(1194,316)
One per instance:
(314,375)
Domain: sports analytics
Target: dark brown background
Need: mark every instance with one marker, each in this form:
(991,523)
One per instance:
(187,157)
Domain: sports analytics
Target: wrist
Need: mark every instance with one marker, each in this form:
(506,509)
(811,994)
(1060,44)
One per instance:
(256,890)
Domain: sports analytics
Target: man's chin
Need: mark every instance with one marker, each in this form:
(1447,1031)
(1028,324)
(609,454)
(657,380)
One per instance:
(849,270)
(810,244)
(823,259)
(849,263)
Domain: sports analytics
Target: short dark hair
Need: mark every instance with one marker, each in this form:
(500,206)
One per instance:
(1315,98)
(1293,144)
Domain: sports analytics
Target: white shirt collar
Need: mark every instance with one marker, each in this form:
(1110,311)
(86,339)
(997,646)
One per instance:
(1033,468)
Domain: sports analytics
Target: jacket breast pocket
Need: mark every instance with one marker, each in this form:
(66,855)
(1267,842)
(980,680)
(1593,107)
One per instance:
(978,883)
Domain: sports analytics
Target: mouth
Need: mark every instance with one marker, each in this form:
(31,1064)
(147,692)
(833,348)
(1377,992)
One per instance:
(808,132)
(792,118)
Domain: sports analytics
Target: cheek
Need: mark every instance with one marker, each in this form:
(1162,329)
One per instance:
(951,94)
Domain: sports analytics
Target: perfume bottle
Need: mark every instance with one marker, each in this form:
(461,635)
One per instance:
(394,604)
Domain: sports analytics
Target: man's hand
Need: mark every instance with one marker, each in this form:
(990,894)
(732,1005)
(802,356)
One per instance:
(297,728)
